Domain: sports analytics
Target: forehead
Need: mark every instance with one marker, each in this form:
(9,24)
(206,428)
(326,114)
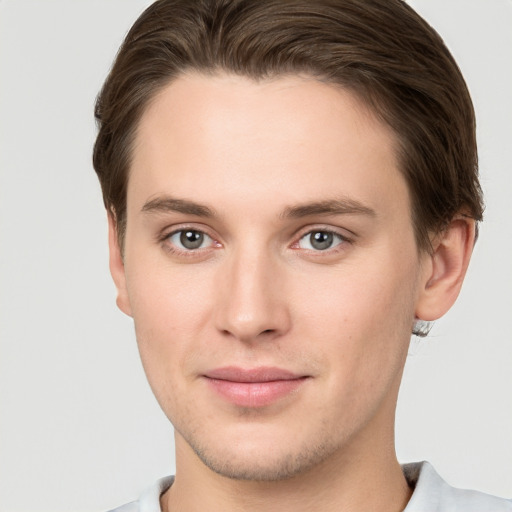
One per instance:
(286,139)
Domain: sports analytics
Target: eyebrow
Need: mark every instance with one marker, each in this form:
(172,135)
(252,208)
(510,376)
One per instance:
(169,204)
(344,206)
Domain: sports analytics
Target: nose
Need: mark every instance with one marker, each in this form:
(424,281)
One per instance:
(252,304)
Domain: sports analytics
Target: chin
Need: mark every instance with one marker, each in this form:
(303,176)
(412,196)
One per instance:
(262,463)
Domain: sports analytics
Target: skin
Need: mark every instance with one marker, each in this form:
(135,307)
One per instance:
(258,293)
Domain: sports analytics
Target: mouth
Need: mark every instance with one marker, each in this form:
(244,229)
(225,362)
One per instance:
(254,387)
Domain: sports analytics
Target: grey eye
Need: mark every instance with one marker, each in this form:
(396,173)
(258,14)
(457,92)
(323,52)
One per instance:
(190,239)
(320,240)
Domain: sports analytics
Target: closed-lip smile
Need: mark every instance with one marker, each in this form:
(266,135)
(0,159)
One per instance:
(253,387)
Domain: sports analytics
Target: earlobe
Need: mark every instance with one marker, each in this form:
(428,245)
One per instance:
(445,269)
(116,265)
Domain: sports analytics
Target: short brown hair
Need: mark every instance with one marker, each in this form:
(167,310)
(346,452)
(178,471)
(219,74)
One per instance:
(379,49)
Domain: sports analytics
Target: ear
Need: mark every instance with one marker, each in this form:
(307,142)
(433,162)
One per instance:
(116,265)
(445,268)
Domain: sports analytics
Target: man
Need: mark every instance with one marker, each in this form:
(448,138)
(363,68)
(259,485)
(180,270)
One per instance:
(291,190)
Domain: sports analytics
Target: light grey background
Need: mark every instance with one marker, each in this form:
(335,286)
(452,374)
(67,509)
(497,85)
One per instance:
(79,427)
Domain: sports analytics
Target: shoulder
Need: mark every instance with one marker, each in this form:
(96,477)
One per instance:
(149,500)
(432,493)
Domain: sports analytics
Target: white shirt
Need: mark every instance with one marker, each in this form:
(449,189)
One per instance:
(431,494)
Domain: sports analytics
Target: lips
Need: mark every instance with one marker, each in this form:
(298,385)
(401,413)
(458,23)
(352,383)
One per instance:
(255,387)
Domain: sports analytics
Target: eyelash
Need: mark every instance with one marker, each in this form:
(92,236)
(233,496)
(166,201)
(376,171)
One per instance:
(343,240)
(164,239)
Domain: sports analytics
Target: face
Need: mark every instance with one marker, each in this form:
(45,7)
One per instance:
(271,270)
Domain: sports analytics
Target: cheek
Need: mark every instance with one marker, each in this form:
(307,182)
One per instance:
(171,299)
(361,320)
(357,298)
(171,308)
